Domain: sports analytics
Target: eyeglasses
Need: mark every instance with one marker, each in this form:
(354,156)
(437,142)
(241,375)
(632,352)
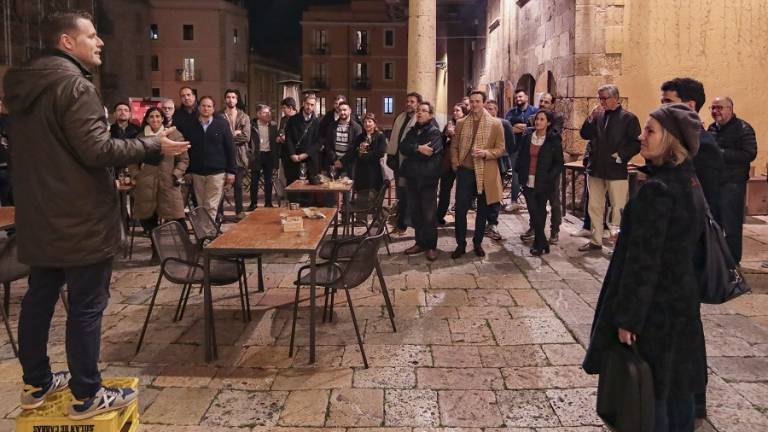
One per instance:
(604,98)
(717,108)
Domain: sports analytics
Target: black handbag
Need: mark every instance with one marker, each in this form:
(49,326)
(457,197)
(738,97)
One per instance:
(625,398)
(719,278)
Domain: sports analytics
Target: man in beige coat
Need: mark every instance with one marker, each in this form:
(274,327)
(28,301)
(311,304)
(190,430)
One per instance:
(479,142)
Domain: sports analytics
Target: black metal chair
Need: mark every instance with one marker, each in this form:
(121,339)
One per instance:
(10,270)
(206,231)
(360,211)
(180,264)
(334,275)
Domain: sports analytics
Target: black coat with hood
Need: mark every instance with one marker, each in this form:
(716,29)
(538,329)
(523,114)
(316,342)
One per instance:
(67,204)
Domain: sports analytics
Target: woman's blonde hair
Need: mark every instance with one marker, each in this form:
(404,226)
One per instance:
(675,151)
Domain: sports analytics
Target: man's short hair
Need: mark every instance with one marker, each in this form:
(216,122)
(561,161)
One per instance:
(186,87)
(418,96)
(59,23)
(521,90)
(492,102)
(481,93)
(213,101)
(310,96)
(344,102)
(687,89)
(235,91)
(339,97)
(288,102)
(263,106)
(431,108)
(611,89)
(551,96)
(114,108)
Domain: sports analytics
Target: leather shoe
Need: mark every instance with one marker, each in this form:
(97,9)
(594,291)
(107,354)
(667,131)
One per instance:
(413,250)
(479,251)
(432,254)
(251,208)
(458,253)
(590,247)
(539,252)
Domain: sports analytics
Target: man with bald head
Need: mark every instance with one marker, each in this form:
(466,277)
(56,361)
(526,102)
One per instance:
(738,144)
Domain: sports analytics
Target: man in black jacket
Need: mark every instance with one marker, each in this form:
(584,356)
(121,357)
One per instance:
(301,144)
(612,132)
(338,138)
(186,115)
(123,127)
(72,235)
(708,162)
(738,145)
(422,147)
(211,157)
(265,151)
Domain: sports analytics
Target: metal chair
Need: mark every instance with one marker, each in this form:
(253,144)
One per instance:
(180,264)
(206,231)
(10,270)
(373,208)
(333,275)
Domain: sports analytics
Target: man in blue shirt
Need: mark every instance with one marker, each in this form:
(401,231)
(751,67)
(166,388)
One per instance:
(518,117)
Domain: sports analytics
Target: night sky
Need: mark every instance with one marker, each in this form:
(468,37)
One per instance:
(275,28)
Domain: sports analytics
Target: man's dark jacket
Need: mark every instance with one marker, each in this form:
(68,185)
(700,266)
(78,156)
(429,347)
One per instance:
(67,205)
(619,135)
(130,131)
(417,167)
(212,151)
(329,143)
(709,166)
(253,146)
(301,137)
(739,146)
(183,120)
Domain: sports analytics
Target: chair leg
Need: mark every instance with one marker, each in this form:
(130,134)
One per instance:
(184,289)
(261,274)
(245,288)
(333,300)
(385,293)
(242,297)
(7,298)
(186,298)
(149,312)
(357,328)
(8,329)
(133,236)
(387,239)
(295,316)
(326,294)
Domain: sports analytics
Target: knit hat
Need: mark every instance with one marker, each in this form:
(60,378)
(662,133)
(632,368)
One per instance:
(682,122)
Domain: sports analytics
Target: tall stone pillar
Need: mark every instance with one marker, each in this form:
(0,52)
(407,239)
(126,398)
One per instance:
(422,47)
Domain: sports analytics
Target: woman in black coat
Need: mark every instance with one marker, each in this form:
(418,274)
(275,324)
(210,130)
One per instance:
(447,176)
(650,295)
(365,153)
(539,163)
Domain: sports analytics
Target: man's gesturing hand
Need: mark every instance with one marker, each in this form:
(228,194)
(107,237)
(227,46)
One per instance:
(168,146)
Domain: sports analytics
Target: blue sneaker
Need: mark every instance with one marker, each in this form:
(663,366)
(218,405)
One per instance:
(33,397)
(105,400)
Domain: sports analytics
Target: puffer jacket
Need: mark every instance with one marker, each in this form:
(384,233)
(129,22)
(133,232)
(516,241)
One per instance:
(739,148)
(157,190)
(67,204)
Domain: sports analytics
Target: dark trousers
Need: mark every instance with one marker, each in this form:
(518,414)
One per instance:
(556,208)
(674,415)
(493,213)
(423,199)
(444,201)
(732,197)
(267,168)
(515,190)
(88,292)
(6,190)
(537,210)
(466,191)
(403,218)
(238,186)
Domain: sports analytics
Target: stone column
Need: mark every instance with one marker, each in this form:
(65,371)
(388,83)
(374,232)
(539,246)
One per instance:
(422,47)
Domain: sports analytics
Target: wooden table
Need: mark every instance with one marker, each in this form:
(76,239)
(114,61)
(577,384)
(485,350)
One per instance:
(7,217)
(577,168)
(259,233)
(343,189)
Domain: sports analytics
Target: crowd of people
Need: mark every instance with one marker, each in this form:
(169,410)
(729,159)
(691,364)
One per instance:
(650,295)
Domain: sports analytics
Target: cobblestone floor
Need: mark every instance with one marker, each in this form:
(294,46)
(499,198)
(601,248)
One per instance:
(482,345)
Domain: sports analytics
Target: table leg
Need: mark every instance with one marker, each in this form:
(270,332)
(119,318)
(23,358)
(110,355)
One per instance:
(348,209)
(209,341)
(312,300)
(563,186)
(573,191)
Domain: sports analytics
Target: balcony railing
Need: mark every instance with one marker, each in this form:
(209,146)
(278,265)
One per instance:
(360,50)
(320,83)
(239,76)
(188,75)
(361,83)
(321,50)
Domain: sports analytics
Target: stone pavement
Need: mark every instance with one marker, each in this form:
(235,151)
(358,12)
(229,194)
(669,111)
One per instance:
(482,345)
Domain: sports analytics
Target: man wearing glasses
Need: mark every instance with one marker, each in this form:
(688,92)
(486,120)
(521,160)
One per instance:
(168,109)
(738,144)
(612,133)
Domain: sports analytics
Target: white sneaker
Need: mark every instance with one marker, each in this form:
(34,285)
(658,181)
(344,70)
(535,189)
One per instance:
(583,233)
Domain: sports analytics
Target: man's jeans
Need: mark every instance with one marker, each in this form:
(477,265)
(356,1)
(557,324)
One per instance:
(466,190)
(88,292)
(732,197)
(267,168)
(423,199)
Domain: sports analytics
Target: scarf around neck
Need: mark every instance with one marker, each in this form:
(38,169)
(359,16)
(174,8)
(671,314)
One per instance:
(466,144)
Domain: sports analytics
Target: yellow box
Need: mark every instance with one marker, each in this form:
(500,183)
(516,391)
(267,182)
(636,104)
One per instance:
(52,416)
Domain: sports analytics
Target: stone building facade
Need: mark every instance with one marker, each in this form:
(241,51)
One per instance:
(570,47)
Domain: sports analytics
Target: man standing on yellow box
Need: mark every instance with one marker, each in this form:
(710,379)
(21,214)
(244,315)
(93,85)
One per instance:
(67,212)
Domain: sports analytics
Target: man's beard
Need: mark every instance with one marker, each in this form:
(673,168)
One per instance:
(520,104)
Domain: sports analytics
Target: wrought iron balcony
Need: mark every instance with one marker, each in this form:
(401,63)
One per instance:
(361,50)
(361,83)
(320,50)
(188,75)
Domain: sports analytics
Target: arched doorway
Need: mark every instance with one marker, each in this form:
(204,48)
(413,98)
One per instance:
(527,83)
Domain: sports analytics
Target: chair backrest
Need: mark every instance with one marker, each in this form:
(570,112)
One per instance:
(10,267)
(171,240)
(204,227)
(362,262)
